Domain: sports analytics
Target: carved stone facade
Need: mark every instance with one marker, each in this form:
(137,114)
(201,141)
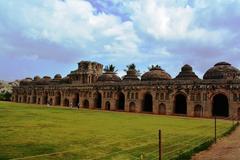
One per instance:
(87,87)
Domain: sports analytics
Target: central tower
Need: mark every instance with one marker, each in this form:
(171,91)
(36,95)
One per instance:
(87,72)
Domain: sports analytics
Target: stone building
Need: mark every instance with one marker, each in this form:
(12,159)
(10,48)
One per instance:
(156,92)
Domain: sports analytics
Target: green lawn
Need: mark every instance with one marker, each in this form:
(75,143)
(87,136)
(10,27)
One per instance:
(30,130)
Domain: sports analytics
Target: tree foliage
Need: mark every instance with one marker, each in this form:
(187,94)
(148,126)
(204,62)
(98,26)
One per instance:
(110,68)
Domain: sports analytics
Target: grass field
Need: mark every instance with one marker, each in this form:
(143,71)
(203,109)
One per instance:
(59,133)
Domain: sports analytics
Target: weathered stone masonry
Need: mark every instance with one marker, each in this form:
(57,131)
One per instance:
(216,94)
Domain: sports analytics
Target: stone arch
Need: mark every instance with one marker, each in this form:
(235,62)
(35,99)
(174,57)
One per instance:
(34,99)
(28,99)
(162,108)
(180,104)
(220,106)
(121,101)
(58,99)
(147,103)
(45,99)
(51,101)
(98,100)
(107,105)
(198,111)
(76,100)
(132,107)
(24,99)
(66,102)
(39,101)
(85,103)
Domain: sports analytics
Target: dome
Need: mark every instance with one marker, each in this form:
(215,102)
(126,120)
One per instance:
(65,80)
(222,70)
(57,77)
(37,78)
(26,81)
(108,77)
(131,75)
(155,74)
(44,81)
(186,73)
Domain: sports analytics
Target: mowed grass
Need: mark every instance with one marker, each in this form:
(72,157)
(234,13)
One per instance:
(60,133)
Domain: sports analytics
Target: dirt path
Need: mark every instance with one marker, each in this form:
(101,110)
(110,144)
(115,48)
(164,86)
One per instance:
(227,148)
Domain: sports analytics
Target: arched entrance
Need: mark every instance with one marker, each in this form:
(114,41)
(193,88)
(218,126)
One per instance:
(107,105)
(132,107)
(58,99)
(51,101)
(34,99)
(180,104)
(45,99)
(85,103)
(76,100)
(162,108)
(147,103)
(66,102)
(220,105)
(121,101)
(238,113)
(24,99)
(98,101)
(198,111)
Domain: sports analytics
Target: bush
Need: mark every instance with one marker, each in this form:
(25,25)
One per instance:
(5,96)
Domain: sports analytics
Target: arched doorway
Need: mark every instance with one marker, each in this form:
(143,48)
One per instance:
(76,100)
(107,105)
(66,102)
(162,108)
(85,103)
(147,103)
(132,107)
(51,101)
(58,99)
(198,111)
(98,100)
(121,101)
(238,113)
(220,105)
(45,99)
(180,104)
(34,99)
(24,99)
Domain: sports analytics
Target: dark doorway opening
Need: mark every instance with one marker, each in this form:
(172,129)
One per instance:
(198,111)
(238,114)
(34,99)
(220,105)
(58,99)
(108,105)
(121,101)
(98,101)
(180,104)
(148,103)
(66,102)
(76,100)
(86,104)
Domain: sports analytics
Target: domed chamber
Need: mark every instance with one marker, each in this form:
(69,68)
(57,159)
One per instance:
(186,73)
(26,81)
(155,73)
(110,75)
(222,70)
(132,73)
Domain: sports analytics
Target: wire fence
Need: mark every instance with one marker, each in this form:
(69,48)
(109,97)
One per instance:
(147,146)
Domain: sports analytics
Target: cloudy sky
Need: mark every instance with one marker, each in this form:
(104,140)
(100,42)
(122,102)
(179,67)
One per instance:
(46,37)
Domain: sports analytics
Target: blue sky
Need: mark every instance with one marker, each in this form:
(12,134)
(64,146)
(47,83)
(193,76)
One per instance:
(46,37)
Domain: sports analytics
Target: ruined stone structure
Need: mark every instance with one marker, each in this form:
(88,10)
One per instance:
(156,92)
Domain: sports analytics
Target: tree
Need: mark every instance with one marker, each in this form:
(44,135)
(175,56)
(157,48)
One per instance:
(110,68)
(155,67)
(132,67)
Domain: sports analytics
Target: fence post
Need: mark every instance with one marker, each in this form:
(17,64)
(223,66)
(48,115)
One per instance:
(160,144)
